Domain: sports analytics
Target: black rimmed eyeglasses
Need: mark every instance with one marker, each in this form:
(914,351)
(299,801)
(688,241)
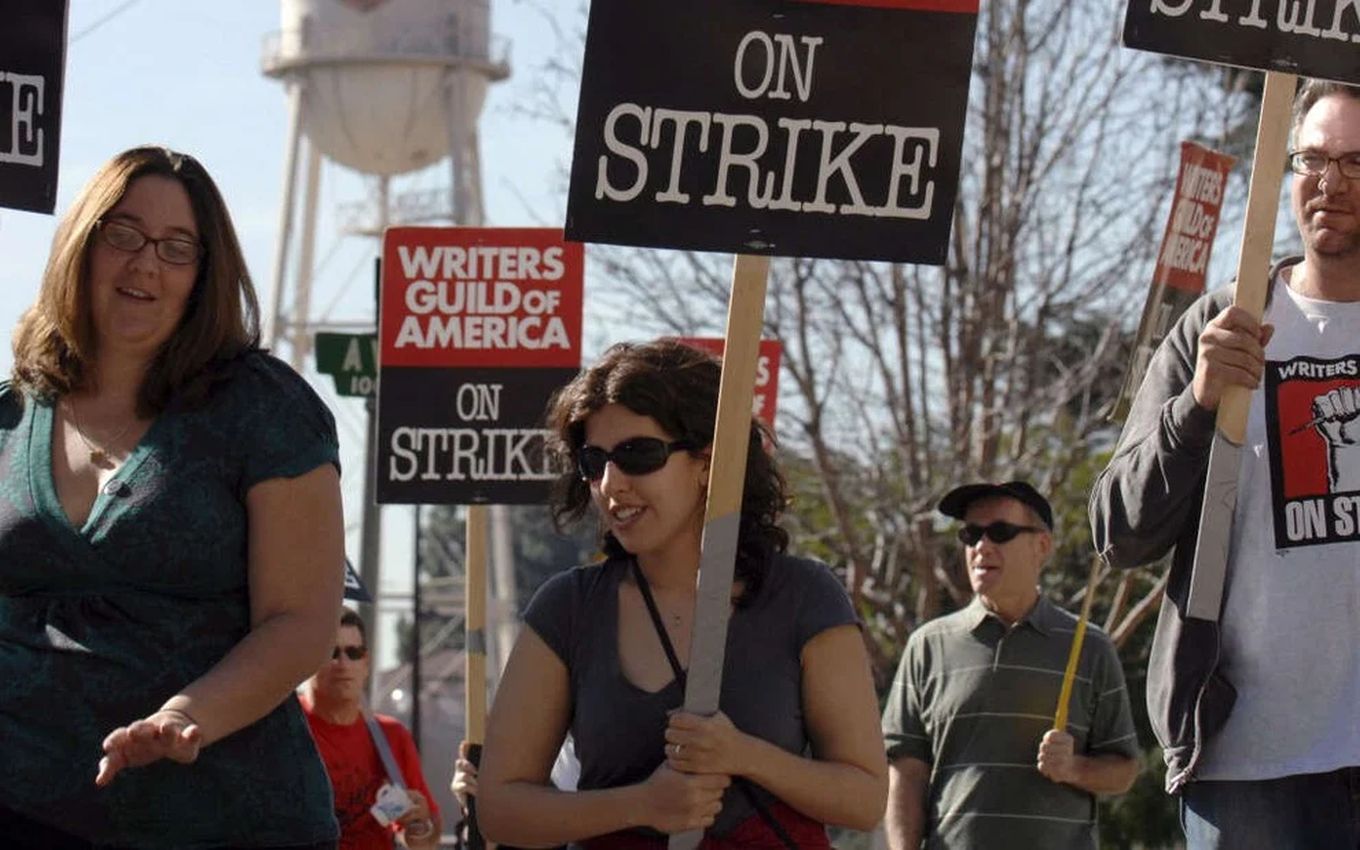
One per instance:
(353,653)
(997,532)
(636,456)
(174,250)
(1316,163)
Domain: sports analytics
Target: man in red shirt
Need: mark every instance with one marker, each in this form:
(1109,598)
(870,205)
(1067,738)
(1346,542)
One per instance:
(333,702)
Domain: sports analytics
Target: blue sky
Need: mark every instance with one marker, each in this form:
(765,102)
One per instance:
(187,75)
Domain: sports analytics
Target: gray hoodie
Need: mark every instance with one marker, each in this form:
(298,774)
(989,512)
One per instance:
(1146,503)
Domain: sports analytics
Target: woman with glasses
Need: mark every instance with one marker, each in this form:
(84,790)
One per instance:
(796,744)
(170,533)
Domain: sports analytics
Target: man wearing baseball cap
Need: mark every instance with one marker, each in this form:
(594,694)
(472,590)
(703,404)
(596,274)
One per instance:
(974,760)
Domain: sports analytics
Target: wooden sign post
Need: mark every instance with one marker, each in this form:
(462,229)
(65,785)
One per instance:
(1253,282)
(726,475)
(766,143)
(1074,656)
(474,671)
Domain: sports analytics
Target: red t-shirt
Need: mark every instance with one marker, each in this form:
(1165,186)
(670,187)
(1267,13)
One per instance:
(357,773)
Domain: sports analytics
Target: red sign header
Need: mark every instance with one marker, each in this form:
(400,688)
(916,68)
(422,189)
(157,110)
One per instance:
(767,372)
(485,297)
(1189,238)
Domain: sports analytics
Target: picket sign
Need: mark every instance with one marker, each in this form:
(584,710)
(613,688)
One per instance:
(1253,282)
(1180,275)
(32,73)
(769,144)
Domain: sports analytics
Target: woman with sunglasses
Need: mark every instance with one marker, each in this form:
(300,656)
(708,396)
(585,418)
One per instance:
(796,744)
(170,533)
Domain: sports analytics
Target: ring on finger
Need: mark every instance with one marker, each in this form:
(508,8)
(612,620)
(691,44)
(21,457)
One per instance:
(676,749)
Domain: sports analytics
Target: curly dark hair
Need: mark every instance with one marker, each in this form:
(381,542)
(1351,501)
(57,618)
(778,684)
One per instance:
(676,385)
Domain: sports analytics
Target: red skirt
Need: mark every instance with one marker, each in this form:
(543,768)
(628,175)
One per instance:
(753,834)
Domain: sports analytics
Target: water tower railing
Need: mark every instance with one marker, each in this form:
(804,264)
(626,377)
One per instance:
(287,49)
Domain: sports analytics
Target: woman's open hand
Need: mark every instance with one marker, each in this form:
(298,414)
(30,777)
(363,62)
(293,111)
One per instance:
(168,733)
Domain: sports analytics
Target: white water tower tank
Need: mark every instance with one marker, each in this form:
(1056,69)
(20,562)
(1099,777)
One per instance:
(386,83)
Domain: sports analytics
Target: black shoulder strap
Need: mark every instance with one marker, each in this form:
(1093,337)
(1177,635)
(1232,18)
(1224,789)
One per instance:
(659,624)
(746,786)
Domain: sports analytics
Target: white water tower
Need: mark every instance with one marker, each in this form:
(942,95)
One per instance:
(382,87)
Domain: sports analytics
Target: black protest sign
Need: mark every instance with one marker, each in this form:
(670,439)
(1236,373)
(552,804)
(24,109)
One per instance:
(1315,38)
(465,436)
(32,64)
(828,128)
(478,327)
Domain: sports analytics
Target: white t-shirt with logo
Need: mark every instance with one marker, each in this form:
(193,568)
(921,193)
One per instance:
(1291,620)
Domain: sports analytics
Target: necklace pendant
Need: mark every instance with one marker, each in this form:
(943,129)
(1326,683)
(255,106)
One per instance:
(99,457)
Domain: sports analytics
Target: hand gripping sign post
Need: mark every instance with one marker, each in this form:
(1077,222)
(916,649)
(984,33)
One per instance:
(1282,38)
(32,67)
(821,128)
(478,327)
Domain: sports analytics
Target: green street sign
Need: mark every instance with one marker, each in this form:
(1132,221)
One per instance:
(351,359)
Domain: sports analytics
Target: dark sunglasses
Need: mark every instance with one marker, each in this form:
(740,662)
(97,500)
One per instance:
(353,653)
(637,456)
(997,532)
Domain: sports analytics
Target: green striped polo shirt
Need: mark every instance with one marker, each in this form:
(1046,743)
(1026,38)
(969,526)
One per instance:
(973,698)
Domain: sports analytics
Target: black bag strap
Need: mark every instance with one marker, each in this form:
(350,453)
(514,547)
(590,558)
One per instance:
(746,786)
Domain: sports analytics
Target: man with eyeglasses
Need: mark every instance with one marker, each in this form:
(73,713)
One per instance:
(333,702)
(973,758)
(1257,713)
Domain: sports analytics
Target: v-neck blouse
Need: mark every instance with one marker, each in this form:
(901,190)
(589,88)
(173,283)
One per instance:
(619,728)
(100,624)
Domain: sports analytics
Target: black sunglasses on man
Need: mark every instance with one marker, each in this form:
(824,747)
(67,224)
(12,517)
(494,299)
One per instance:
(998,532)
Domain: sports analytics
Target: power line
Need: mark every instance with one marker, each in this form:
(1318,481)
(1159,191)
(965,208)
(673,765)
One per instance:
(104,20)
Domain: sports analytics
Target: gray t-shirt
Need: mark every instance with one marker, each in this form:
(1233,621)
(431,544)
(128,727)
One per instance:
(619,728)
(1291,638)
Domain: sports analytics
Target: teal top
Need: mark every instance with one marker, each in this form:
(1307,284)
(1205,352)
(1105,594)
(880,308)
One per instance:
(99,625)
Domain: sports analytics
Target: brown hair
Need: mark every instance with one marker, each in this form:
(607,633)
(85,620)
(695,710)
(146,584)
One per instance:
(1310,93)
(350,617)
(54,341)
(677,385)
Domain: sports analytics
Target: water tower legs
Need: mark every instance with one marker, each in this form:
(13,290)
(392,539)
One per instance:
(298,330)
(273,330)
(467,178)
